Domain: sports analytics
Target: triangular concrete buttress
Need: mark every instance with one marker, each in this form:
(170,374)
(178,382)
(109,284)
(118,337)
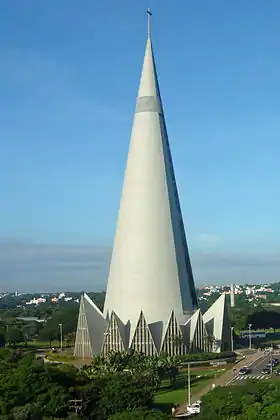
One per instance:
(174,341)
(114,336)
(90,329)
(142,339)
(199,339)
(217,323)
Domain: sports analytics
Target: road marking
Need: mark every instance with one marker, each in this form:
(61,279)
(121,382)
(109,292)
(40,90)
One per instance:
(258,361)
(259,377)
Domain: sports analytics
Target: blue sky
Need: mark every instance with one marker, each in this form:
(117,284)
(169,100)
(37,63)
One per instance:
(69,74)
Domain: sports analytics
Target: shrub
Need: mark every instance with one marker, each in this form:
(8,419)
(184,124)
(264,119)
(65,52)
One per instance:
(198,357)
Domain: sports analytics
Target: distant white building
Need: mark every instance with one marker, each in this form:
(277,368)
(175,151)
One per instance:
(250,291)
(36,301)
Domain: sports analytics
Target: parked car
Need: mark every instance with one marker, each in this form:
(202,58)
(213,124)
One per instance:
(271,364)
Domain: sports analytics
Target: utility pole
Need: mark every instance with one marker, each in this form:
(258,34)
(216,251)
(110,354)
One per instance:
(189,385)
(61,337)
(250,338)
(231,337)
(232,295)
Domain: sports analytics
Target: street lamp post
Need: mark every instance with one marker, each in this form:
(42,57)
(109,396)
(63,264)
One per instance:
(231,337)
(189,385)
(61,337)
(250,337)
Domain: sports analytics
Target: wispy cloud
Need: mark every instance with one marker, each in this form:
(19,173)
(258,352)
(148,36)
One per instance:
(48,268)
(31,267)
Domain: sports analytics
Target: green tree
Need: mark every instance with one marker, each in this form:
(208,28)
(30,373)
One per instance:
(253,400)
(30,389)
(14,335)
(140,415)
(67,317)
(31,382)
(30,411)
(263,319)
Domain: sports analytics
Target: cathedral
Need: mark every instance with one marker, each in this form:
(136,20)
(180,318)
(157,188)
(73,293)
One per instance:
(151,303)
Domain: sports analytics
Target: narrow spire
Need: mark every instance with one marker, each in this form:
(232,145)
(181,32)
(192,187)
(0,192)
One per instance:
(150,266)
(149,13)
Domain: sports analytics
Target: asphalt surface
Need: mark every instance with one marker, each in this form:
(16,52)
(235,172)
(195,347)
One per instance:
(256,370)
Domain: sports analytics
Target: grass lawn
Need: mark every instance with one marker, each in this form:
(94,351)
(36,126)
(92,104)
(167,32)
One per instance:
(43,344)
(200,378)
(40,345)
(65,356)
(37,345)
(68,357)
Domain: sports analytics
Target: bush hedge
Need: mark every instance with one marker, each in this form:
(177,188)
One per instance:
(199,357)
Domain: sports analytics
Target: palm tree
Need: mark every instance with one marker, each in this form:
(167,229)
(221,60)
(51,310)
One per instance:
(212,342)
(169,366)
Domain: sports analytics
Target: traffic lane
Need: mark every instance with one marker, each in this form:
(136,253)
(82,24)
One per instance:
(259,365)
(256,369)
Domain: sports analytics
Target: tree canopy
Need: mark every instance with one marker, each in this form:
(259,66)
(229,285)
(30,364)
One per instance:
(31,389)
(253,400)
(263,319)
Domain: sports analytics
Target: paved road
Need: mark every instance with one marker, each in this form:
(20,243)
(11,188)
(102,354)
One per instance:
(256,371)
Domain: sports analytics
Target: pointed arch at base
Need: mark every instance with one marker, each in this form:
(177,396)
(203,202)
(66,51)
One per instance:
(114,336)
(199,339)
(143,340)
(217,323)
(173,343)
(90,329)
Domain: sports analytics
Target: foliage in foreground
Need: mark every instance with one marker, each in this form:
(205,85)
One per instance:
(140,415)
(132,362)
(251,401)
(30,389)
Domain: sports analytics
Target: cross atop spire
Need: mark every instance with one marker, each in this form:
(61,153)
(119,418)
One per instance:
(149,13)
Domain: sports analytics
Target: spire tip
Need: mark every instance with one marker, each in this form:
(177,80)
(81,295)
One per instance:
(149,13)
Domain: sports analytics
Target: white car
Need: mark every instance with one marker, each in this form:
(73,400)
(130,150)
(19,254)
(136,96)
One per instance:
(194,408)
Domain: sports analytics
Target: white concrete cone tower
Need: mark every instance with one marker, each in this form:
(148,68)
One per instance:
(150,268)
(150,304)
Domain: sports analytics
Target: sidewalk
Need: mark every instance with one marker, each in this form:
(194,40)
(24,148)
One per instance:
(221,381)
